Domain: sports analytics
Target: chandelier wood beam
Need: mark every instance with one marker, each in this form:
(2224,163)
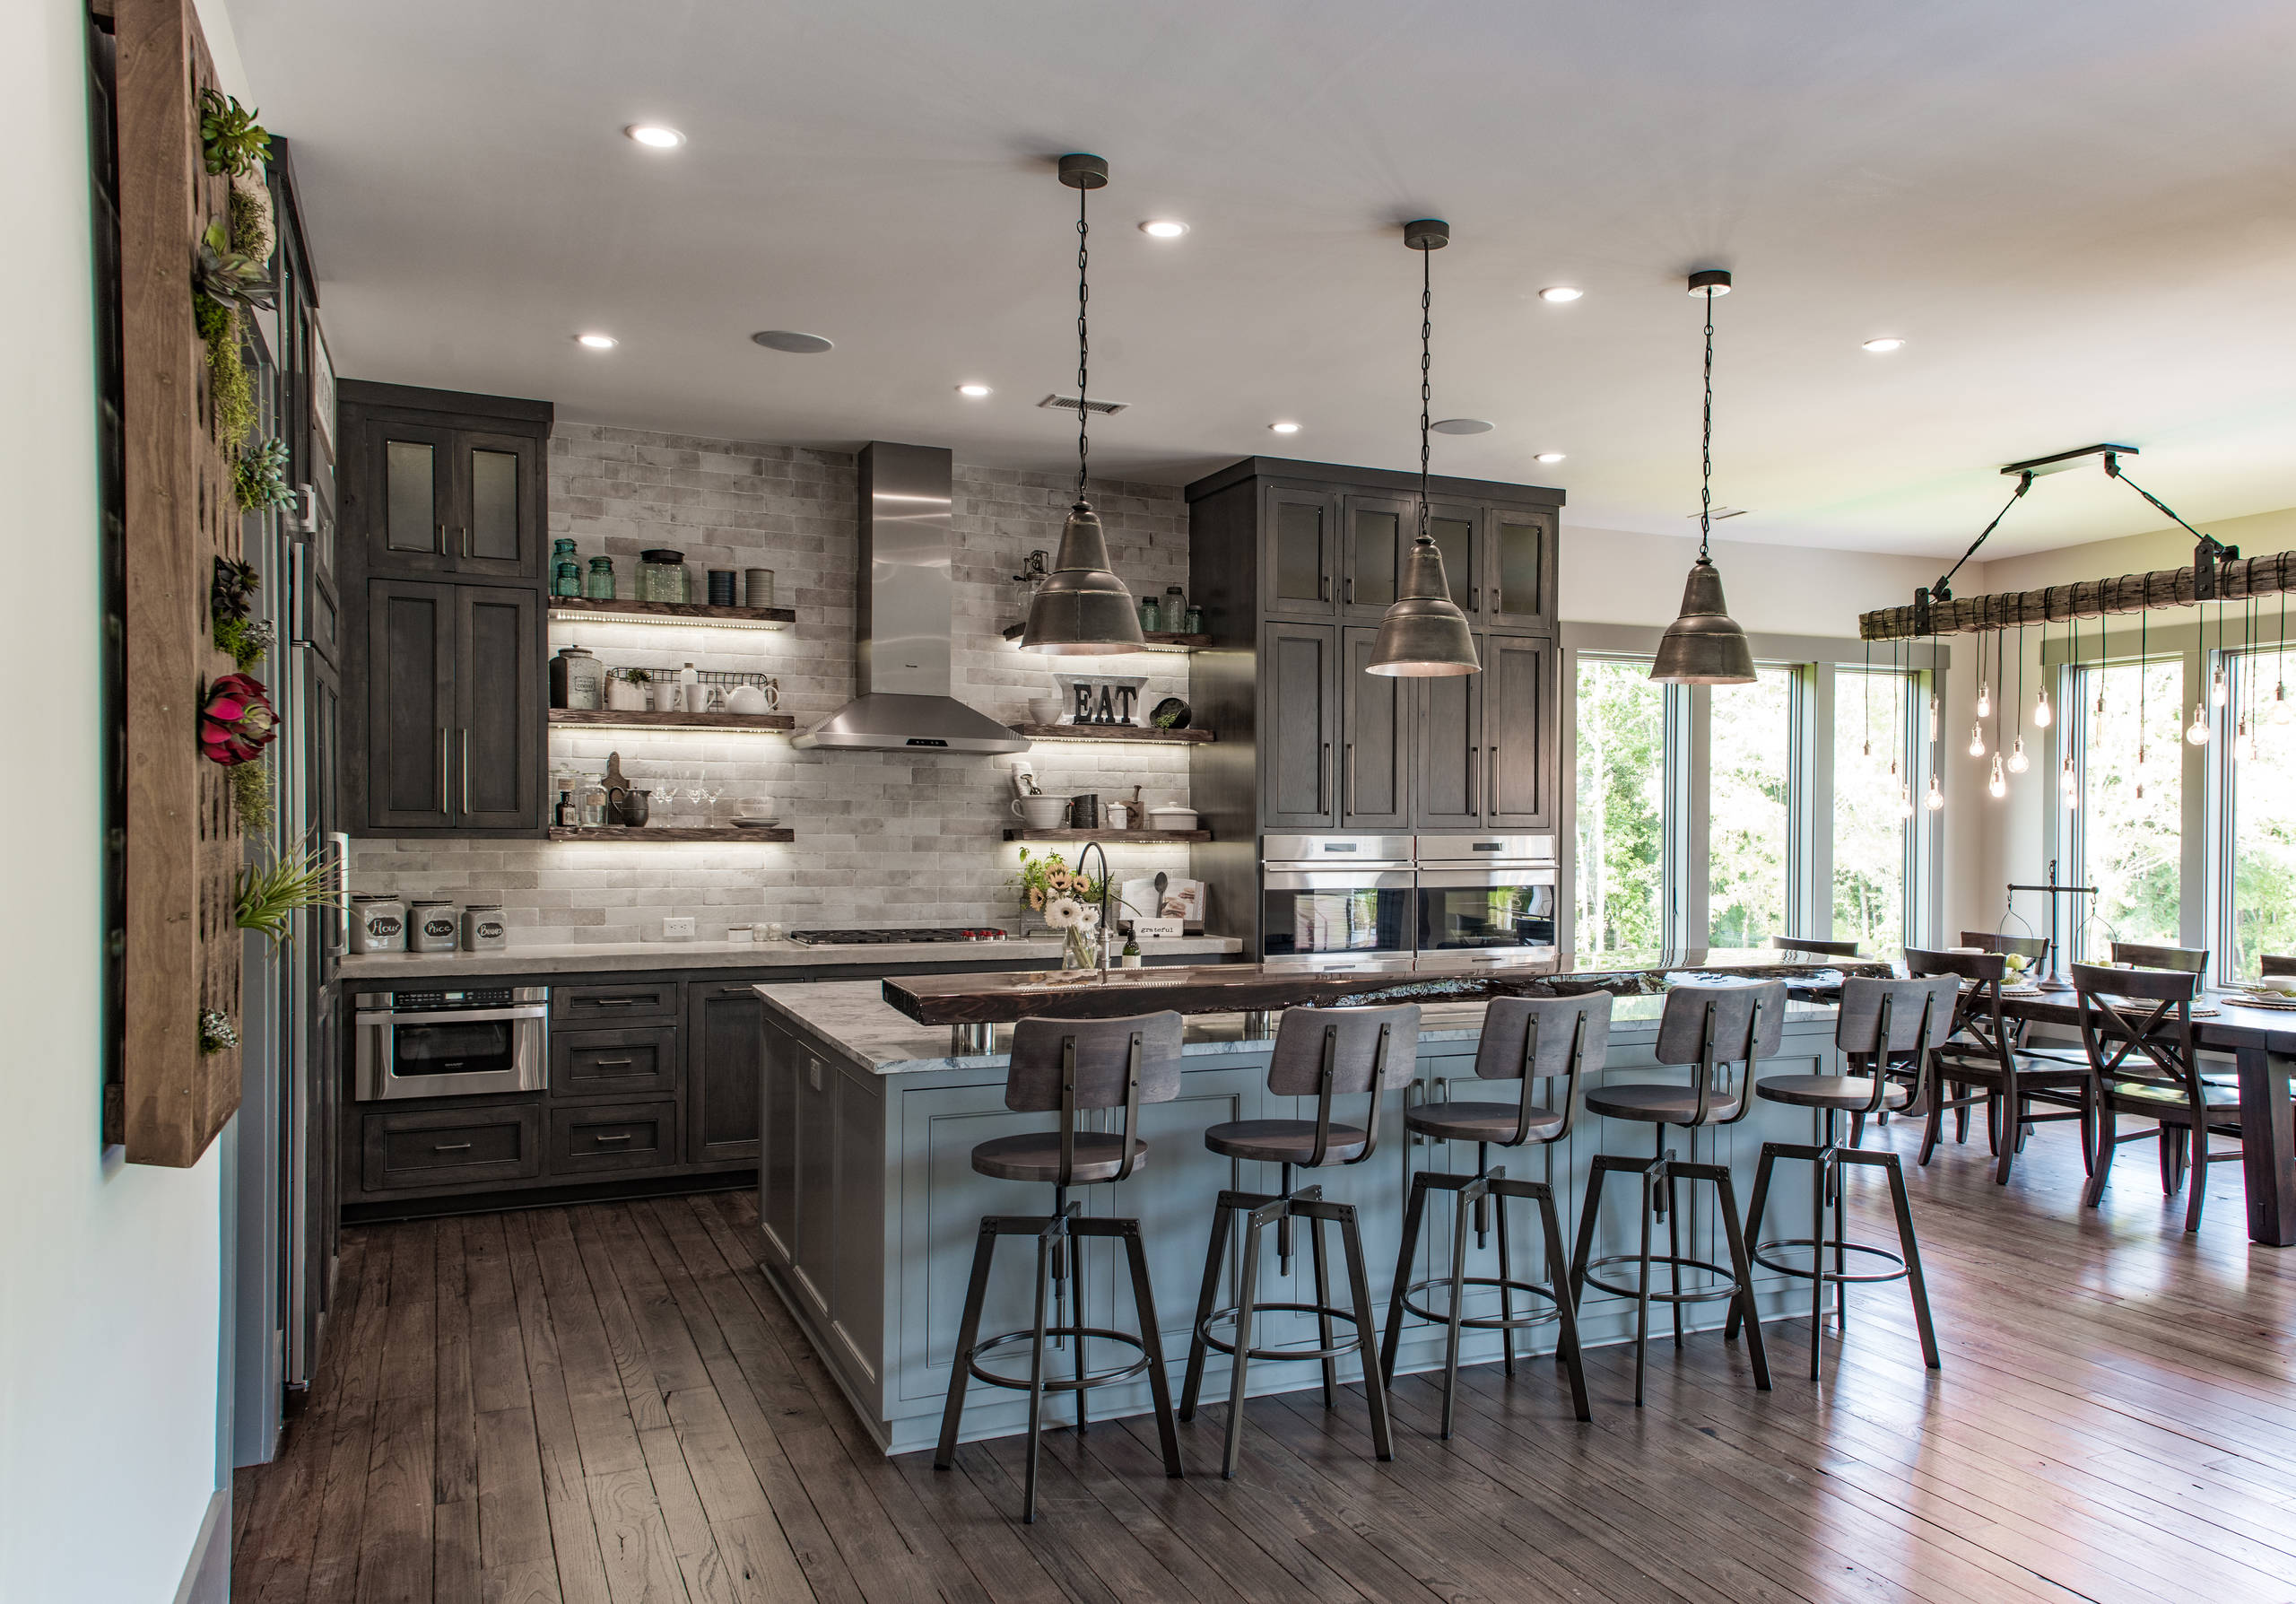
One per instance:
(2208,579)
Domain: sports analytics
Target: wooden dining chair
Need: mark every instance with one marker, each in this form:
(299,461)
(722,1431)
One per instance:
(2136,1024)
(2276,963)
(1807,943)
(1981,1063)
(2142,955)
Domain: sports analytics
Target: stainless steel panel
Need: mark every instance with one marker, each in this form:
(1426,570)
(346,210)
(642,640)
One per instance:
(1486,849)
(1448,879)
(1337,879)
(1294,850)
(906,606)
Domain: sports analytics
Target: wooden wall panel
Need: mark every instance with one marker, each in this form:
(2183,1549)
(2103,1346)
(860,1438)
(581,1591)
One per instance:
(182,850)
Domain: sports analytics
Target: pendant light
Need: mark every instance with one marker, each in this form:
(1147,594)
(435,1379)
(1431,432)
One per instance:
(1422,634)
(2017,762)
(1083,609)
(1705,646)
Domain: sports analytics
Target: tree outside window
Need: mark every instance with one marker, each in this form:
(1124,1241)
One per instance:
(1620,800)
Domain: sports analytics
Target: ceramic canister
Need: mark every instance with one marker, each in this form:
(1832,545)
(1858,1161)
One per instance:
(483,930)
(378,924)
(432,928)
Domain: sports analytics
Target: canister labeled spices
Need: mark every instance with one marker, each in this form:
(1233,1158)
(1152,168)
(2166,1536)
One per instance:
(483,930)
(378,924)
(432,928)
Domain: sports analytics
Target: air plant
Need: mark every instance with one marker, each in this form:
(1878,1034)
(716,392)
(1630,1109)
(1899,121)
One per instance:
(235,723)
(267,896)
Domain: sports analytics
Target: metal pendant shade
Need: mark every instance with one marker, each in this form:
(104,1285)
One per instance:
(1081,609)
(1423,635)
(1704,646)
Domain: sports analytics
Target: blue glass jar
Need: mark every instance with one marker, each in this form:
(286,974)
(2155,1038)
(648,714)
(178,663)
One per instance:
(566,570)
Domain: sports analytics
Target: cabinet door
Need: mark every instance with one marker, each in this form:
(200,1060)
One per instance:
(1301,535)
(1518,565)
(1375,739)
(1518,732)
(725,1044)
(1297,674)
(1456,530)
(493,529)
(1451,760)
(499,734)
(410,705)
(407,498)
(777,1170)
(1377,530)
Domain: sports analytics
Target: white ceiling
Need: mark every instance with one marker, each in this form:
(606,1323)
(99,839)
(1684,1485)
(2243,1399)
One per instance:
(2080,214)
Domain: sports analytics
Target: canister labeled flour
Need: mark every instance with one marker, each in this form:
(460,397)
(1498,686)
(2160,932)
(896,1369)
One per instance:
(378,924)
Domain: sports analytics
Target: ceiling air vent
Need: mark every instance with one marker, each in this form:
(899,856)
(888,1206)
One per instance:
(1060,403)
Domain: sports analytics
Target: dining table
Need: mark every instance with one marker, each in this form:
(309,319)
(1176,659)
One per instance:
(2262,1041)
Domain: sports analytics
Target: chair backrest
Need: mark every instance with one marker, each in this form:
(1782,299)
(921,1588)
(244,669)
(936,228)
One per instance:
(1804,944)
(2276,964)
(1102,1049)
(1894,1018)
(2035,947)
(1722,1024)
(2136,1024)
(1368,1047)
(2193,960)
(1978,1030)
(1532,1038)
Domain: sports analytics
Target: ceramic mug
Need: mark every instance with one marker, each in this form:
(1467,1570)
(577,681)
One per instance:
(1118,814)
(1042,813)
(1044,710)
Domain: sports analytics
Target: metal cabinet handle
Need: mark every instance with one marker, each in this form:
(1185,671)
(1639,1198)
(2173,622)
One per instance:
(442,771)
(610,1002)
(1323,780)
(466,550)
(1346,766)
(1491,782)
(610,1063)
(450,1148)
(465,734)
(602,1141)
(733,990)
(342,840)
(441,547)
(1469,797)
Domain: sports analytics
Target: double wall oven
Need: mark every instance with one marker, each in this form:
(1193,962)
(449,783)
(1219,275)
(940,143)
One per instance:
(1330,901)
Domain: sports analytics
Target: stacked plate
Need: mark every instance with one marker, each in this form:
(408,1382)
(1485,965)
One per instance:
(2278,1002)
(747,822)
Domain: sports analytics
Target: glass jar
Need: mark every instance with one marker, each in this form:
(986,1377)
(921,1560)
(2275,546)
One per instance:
(661,576)
(1152,616)
(594,802)
(599,586)
(1194,620)
(565,570)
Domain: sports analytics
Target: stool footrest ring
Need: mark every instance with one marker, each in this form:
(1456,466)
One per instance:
(1354,1344)
(1803,1272)
(1103,1378)
(1483,1322)
(1728,1288)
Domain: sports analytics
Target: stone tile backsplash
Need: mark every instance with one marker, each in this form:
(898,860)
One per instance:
(883,838)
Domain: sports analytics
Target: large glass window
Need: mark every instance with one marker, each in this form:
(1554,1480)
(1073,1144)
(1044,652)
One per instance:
(1620,805)
(1750,779)
(1871,768)
(2128,829)
(2260,793)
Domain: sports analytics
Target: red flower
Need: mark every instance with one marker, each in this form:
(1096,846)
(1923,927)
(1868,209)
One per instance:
(237,723)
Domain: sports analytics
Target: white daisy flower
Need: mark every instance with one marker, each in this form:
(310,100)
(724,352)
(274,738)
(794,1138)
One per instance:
(1063,913)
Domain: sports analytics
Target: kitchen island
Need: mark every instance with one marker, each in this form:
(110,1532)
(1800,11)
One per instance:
(869,1207)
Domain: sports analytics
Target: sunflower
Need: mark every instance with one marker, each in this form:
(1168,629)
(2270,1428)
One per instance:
(1056,877)
(1036,898)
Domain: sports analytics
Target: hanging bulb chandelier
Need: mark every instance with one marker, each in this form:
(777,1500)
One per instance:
(1704,646)
(1423,634)
(1984,694)
(1977,739)
(2197,731)
(1999,784)
(2018,762)
(1083,609)
(2041,708)
(1905,802)
(1933,799)
(2217,689)
(2068,780)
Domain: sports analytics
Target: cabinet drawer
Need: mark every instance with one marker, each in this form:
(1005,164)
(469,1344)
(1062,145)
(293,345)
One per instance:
(452,1147)
(585,1063)
(613,1136)
(610,1005)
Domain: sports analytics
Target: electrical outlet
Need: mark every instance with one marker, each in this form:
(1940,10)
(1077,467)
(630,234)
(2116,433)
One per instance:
(677,929)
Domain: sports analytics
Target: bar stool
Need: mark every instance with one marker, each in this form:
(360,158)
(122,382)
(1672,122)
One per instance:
(1324,1053)
(1071,1066)
(1886,1028)
(1711,1027)
(1523,1038)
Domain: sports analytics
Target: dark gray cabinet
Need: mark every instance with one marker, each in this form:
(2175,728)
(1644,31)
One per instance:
(1486,741)
(454,727)
(1301,552)
(410,660)
(1298,664)
(1377,723)
(1520,557)
(725,1033)
(1450,744)
(444,495)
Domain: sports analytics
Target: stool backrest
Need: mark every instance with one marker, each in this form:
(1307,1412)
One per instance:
(2276,963)
(1715,1026)
(2131,1043)
(1978,1035)
(2193,960)
(1805,944)
(1073,1064)
(1887,1026)
(1538,1038)
(1327,1054)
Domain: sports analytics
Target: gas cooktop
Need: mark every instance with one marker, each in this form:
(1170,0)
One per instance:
(891,937)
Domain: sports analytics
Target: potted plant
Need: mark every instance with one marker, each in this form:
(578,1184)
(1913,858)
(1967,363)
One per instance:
(626,690)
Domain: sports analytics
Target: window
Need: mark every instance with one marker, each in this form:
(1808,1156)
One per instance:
(2128,832)
(1749,749)
(2260,787)
(1872,786)
(1620,805)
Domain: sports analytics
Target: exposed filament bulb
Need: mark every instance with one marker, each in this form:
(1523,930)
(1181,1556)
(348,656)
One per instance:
(1999,784)
(1905,802)
(2196,732)
(2068,780)
(2017,762)
(1976,740)
(2218,690)
(1985,701)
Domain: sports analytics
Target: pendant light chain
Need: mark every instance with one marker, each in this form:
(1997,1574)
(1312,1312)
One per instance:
(1084,337)
(1706,441)
(1426,367)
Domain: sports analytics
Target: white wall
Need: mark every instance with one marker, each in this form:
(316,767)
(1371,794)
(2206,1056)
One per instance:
(108,1273)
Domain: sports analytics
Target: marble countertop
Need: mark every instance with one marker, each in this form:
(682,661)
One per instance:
(852,1018)
(624,956)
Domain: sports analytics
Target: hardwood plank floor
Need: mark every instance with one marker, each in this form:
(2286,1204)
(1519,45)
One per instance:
(606,1404)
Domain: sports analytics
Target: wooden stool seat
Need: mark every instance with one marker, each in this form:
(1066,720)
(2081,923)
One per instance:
(1482,1122)
(1035,1156)
(2223,1097)
(1284,1141)
(1656,1104)
(1850,1093)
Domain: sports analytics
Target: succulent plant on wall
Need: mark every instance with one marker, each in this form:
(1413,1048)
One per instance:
(236,722)
(230,140)
(260,477)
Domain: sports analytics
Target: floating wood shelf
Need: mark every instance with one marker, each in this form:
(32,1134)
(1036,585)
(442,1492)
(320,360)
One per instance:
(1112,732)
(610,719)
(1147,836)
(667,832)
(581,609)
(1156,639)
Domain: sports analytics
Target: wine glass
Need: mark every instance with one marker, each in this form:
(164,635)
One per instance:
(708,786)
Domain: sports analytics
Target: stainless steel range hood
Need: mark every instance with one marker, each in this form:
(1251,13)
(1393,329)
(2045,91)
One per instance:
(903,628)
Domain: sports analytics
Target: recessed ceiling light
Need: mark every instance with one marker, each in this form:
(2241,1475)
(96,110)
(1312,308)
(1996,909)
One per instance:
(1560,293)
(790,340)
(975,390)
(1285,428)
(1461,426)
(653,137)
(1163,228)
(598,342)
(1881,346)
(1548,457)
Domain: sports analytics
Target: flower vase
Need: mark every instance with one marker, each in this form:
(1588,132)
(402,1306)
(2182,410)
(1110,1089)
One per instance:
(1076,949)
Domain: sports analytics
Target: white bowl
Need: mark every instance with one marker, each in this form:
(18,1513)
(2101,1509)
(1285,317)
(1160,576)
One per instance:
(2285,984)
(1171,818)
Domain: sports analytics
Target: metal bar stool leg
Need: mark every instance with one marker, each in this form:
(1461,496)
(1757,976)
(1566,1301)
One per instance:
(1073,1251)
(1566,1343)
(1818,1254)
(968,1335)
(1741,1265)
(1143,1305)
(1323,1302)
(1910,1250)
(1036,1376)
(1770,1152)
(1414,1212)
(1651,1182)
(1383,1444)
(1506,1273)
(1198,1350)
(1232,1451)
(1468,1196)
